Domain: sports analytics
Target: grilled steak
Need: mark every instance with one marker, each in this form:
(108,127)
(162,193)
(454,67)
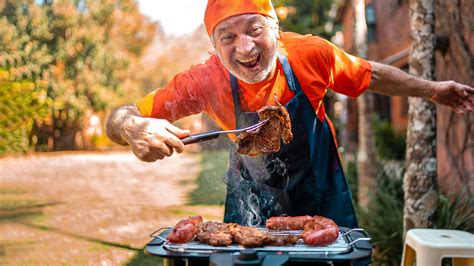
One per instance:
(249,236)
(214,234)
(267,139)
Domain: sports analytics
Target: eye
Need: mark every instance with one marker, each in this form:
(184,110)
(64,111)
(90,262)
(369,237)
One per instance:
(227,38)
(257,30)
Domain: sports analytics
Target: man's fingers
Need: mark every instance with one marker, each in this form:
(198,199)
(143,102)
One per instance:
(178,132)
(464,90)
(175,143)
(162,149)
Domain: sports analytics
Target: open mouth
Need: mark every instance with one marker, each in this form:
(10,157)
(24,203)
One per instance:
(249,62)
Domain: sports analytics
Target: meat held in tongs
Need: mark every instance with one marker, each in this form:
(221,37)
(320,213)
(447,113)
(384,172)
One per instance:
(266,139)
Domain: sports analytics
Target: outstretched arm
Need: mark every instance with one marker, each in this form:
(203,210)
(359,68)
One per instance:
(150,139)
(392,81)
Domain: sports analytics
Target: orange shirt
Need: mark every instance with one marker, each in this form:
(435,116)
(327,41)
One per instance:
(318,65)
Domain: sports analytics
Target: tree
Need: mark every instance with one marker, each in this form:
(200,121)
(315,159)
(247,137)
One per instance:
(366,157)
(306,16)
(420,187)
(24,79)
(88,53)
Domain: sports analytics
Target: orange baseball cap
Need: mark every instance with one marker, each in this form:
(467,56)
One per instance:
(218,10)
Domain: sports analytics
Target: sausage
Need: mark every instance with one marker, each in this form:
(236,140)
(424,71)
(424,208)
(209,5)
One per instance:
(288,222)
(185,230)
(320,231)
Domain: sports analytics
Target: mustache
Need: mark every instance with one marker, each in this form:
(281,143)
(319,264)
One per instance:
(254,52)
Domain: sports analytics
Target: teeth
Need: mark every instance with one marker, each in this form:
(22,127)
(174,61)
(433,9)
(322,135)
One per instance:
(249,59)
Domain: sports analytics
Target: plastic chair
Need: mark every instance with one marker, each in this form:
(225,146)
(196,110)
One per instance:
(432,245)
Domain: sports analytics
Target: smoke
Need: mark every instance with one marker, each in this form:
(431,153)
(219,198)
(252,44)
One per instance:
(278,167)
(251,215)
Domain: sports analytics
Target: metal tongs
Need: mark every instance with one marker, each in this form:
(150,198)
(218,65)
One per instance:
(215,134)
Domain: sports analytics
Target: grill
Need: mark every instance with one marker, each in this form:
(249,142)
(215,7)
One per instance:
(351,246)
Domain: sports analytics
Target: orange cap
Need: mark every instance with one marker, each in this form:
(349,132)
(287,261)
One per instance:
(218,10)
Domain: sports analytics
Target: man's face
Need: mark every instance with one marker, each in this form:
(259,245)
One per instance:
(246,45)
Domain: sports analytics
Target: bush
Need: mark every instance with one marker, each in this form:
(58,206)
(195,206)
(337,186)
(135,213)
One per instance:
(22,102)
(455,211)
(388,144)
(383,219)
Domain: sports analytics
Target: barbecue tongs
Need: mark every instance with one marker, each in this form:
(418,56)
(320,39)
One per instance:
(215,134)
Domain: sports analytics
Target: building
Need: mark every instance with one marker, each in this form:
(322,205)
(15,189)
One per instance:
(388,35)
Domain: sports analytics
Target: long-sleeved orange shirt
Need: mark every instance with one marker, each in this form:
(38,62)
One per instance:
(318,65)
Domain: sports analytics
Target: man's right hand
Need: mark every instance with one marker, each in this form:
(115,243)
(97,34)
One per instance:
(150,139)
(153,139)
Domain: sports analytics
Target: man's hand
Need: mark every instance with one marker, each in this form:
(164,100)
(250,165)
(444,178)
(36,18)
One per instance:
(153,139)
(459,97)
(150,139)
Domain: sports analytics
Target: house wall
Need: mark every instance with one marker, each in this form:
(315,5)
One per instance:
(454,29)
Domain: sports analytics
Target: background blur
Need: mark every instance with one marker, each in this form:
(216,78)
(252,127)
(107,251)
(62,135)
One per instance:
(68,195)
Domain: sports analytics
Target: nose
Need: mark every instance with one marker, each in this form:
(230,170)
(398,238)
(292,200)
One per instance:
(244,44)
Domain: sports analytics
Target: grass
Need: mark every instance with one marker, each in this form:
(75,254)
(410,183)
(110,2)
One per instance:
(211,188)
(16,204)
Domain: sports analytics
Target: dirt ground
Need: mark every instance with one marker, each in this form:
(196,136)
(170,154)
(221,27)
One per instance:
(89,208)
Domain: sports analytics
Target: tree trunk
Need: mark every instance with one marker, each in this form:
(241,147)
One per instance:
(420,187)
(366,158)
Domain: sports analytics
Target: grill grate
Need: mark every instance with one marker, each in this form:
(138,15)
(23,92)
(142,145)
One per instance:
(341,245)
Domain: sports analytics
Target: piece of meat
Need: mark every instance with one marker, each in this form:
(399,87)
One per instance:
(266,139)
(185,230)
(249,236)
(280,240)
(320,231)
(214,234)
(288,222)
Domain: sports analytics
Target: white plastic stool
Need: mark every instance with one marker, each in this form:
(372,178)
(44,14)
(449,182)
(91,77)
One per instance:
(432,245)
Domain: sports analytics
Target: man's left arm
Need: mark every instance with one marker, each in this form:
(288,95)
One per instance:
(392,81)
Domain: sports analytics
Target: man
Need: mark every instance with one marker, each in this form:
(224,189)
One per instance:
(253,62)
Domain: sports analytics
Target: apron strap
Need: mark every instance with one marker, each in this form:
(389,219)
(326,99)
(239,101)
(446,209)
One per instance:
(290,76)
(294,85)
(234,85)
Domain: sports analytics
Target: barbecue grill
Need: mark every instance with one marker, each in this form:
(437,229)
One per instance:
(351,246)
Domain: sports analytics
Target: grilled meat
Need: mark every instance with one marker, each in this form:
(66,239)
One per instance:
(318,230)
(249,236)
(266,139)
(323,231)
(288,222)
(185,230)
(214,234)
(280,240)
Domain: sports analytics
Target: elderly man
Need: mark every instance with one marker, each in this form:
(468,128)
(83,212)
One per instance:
(254,61)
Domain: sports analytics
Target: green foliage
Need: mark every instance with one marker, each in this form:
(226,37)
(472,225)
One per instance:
(389,145)
(306,16)
(84,54)
(455,211)
(383,219)
(352,179)
(211,188)
(21,103)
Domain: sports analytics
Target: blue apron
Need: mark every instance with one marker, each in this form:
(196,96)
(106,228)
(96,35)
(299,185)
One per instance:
(304,178)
